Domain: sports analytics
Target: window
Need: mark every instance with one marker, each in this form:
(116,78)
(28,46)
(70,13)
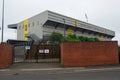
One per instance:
(33,24)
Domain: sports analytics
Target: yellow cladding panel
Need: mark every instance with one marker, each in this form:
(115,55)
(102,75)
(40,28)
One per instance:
(76,23)
(102,38)
(70,32)
(26,31)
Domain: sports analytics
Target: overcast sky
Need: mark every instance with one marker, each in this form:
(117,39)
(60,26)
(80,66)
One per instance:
(104,13)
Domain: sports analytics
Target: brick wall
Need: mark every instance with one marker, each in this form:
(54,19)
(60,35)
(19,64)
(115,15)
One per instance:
(89,53)
(6,55)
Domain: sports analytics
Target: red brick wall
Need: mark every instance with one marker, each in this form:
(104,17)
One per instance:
(6,55)
(89,53)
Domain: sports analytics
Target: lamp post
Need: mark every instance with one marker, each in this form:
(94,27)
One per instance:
(2,22)
(64,29)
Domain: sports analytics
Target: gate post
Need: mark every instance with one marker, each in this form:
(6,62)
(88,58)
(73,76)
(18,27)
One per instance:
(36,54)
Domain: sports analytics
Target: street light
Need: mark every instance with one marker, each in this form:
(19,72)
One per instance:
(2,22)
(64,29)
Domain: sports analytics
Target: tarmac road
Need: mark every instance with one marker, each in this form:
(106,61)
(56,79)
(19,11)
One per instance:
(48,71)
(56,75)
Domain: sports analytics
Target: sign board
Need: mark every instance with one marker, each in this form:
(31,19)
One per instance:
(46,50)
(70,32)
(26,22)
(102,38)
(27,47)
(41,51)
(76,23)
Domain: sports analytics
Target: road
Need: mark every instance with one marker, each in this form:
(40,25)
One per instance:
(38,75)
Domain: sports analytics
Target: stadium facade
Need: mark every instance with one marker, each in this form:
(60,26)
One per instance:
(42,25)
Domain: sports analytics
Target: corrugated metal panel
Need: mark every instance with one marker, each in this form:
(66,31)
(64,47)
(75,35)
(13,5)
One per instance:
(70,21)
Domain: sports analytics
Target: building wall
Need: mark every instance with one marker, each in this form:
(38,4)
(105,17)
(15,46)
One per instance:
(39,30)
(89,54)
(35,26)
(20,31)
(47,30)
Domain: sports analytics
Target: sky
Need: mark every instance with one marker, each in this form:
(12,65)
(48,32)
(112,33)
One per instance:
(103,13)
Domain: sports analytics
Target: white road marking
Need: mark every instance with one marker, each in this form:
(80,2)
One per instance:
(4,69)
(80,69)
(40,69)
(103,69)
(51,69)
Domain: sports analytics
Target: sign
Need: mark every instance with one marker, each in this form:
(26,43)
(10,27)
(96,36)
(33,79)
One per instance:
(26,29)
(46,50)
(102,38)
(41,51)
(76,23)
(27,47)
(70,32)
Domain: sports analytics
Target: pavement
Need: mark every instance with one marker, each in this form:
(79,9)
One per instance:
(54,68)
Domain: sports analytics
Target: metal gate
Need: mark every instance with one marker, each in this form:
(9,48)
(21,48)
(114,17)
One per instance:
(19,54)
(25,51)
(43,53)
(37,53)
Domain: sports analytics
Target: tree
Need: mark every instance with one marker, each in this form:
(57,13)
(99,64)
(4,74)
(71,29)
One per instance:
(72,38)
(82,39)
(56,37)
(86,39)
(96,39)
